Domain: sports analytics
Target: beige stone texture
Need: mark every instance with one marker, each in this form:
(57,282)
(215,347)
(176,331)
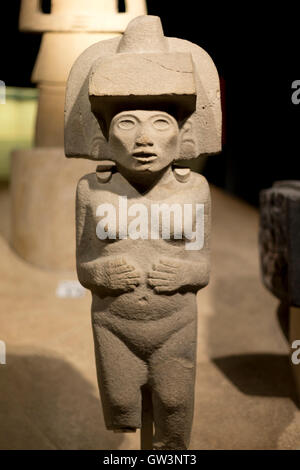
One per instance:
(79,15)
(51,73)
(141,335)
(43,188)
(50,132)
(161,74)
(52,67)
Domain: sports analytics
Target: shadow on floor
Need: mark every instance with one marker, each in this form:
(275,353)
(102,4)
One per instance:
(266,375)
(45,403)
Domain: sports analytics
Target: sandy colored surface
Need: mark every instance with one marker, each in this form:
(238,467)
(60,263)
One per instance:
(245,397)
(43,188)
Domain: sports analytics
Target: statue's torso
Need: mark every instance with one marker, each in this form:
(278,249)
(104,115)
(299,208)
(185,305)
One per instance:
(143,302)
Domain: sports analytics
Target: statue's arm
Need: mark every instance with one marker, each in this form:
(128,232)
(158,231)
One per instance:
(196,273)
(197,262)
(106,275)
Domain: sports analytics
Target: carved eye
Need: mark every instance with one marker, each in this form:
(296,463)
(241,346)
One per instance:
(161,124)
(126,124)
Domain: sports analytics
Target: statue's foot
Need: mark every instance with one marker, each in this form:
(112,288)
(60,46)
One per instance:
(127,430)
(160,446)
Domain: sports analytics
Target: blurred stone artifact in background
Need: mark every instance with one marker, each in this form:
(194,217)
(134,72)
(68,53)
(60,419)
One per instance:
(280,254)
(42,182)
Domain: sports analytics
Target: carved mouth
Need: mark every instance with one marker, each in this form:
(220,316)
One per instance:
(144,157)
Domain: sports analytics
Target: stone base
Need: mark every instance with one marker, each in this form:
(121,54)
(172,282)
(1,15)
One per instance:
(43,186)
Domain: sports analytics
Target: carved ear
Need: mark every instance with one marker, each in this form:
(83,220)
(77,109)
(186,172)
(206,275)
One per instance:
(98,147)
(188,148)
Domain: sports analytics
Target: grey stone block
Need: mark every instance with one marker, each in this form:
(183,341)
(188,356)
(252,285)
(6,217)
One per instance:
(279,240)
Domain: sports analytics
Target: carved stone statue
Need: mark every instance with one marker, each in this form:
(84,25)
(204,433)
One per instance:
(143,102)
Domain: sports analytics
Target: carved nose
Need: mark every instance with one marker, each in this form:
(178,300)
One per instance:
(143,141)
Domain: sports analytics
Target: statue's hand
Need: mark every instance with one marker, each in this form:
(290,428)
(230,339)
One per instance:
(119,275)
(167,275)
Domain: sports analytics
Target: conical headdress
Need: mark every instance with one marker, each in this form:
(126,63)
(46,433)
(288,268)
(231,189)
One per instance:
(143,74)
(143,70)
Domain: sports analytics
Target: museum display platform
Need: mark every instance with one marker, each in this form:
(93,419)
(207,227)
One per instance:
(245,396)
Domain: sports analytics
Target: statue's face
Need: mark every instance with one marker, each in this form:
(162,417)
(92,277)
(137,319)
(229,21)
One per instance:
(144,141)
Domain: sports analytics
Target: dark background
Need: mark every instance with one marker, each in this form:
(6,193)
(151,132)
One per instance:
(256,54)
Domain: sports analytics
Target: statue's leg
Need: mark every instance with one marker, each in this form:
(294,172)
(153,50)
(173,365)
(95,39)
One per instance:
(121,375)
(172,377)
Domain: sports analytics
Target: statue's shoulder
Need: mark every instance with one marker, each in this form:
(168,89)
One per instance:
(190,178)
(86,183)
(198,180)
(94,181)
(199,186)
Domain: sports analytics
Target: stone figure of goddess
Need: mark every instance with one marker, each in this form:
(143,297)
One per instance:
(143,229)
